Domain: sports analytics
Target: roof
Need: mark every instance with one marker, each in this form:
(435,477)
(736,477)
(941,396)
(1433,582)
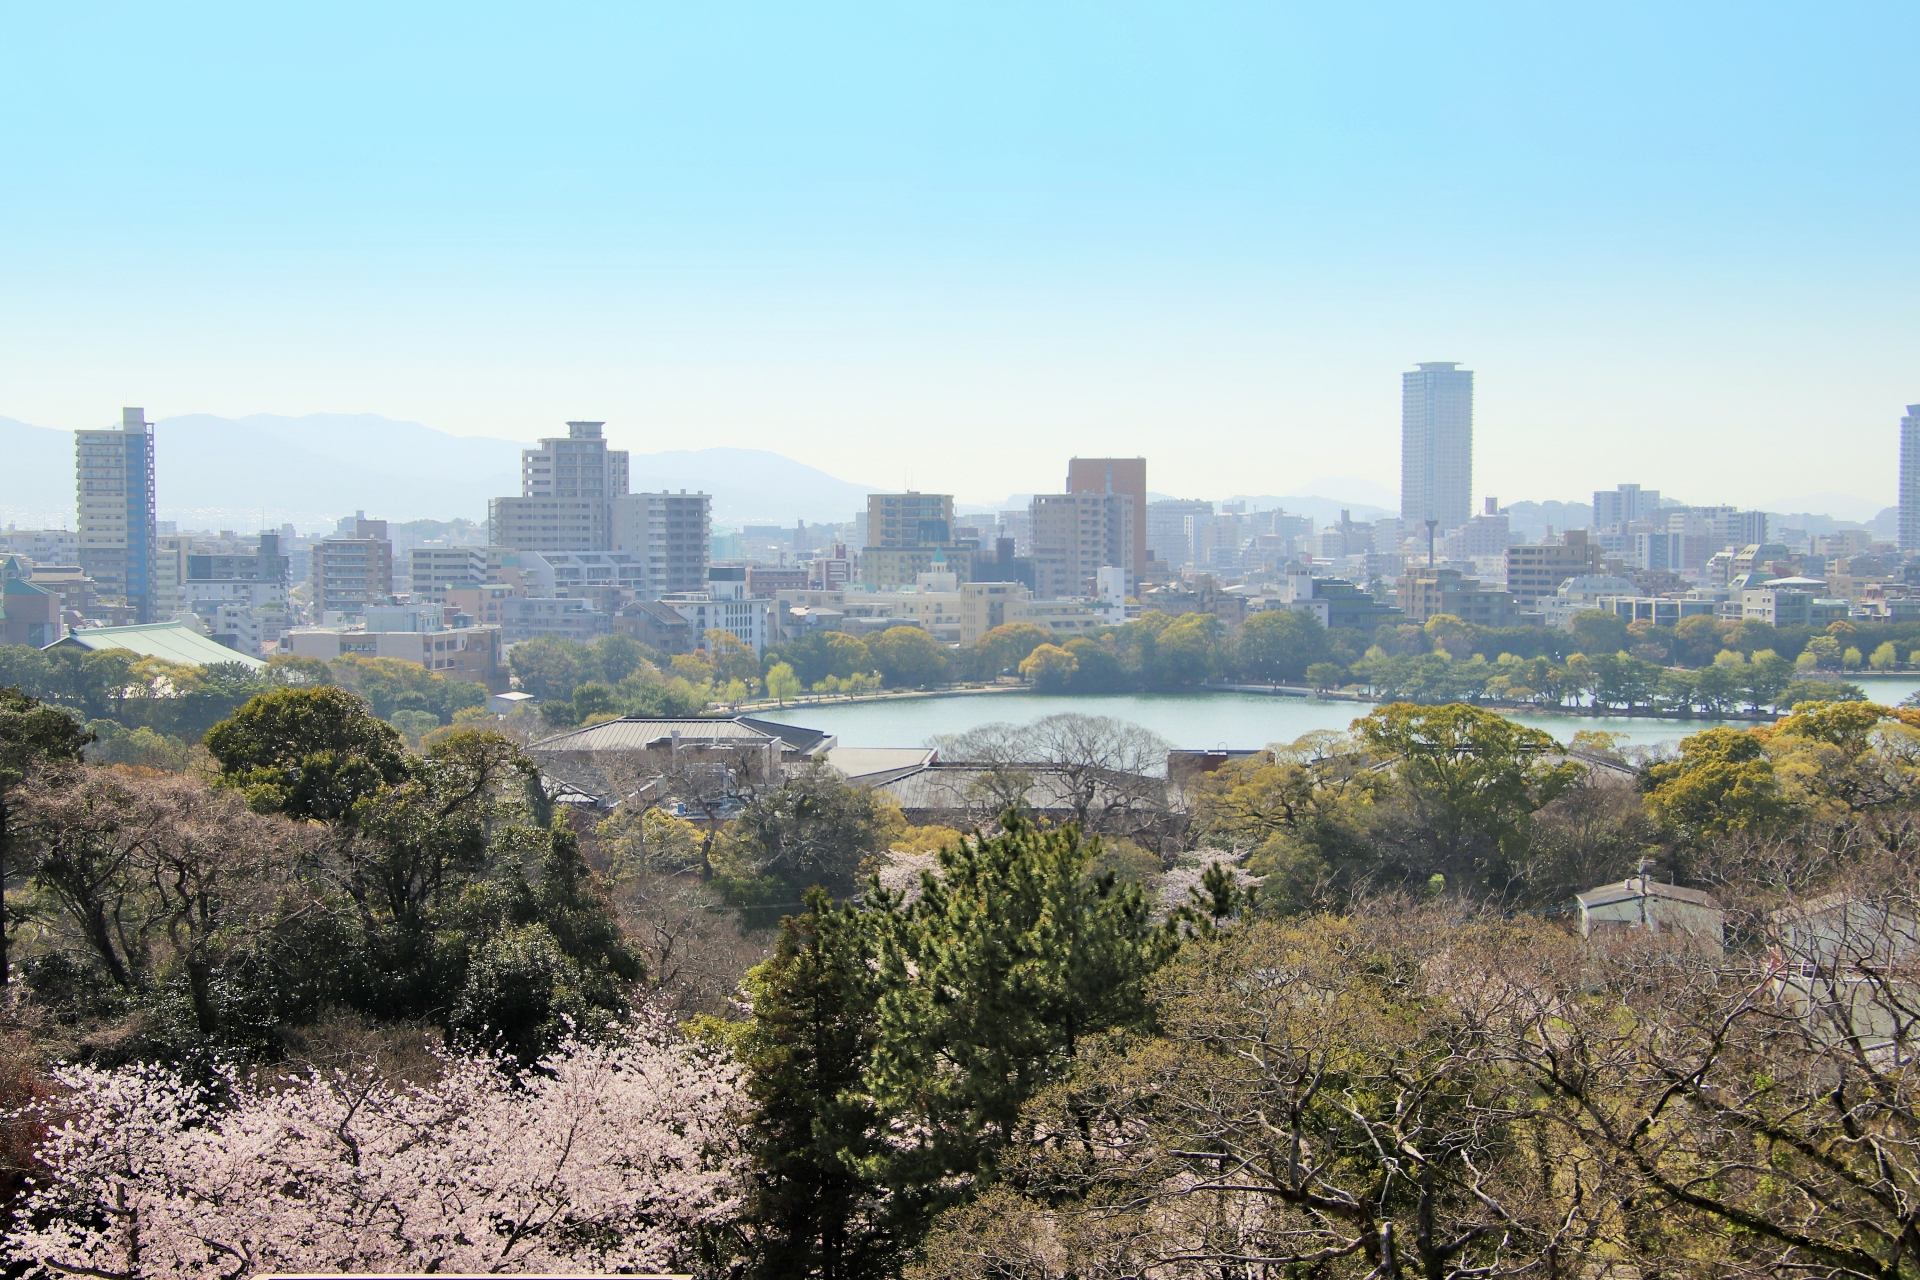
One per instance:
(172,641)
(957,786)
(639,733)
(1638,887)
(868,762)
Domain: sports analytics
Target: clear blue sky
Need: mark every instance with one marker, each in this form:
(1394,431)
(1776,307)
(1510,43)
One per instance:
(952,245)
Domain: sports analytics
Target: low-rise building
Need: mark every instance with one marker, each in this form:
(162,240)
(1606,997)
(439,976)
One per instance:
(724,606)
(1336,602)
(1578,595)
(570,618)
(1642,903)
(1425,592)
(1792,602)
(171,641)
(433,571)
(657,625)
(1661,611)
(1537,569)
(475,654)
(29,614)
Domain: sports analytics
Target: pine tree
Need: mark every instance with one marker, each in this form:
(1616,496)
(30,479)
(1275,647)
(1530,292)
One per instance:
(815,1208)
(1011,956)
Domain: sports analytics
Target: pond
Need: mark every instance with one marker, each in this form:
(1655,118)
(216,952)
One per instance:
(1202,720)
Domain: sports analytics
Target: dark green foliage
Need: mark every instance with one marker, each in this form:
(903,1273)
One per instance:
(814,1205)
(551,668)
(1279,644)
(819,654)
(813,830)
(32,735)
(308,753)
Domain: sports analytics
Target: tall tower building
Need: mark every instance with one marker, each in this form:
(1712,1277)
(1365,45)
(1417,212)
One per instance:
(114,498)
(1116,475)
(567,486)
(1910,479)
(1436,446)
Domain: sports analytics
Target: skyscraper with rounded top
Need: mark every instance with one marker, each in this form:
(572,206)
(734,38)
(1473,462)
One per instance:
(1910,479)
(1436,446)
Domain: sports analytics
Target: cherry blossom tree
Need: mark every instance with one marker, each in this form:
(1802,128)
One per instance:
(613,1155)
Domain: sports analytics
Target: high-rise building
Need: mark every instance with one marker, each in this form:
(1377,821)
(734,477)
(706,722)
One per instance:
(567,486)
(1436,446)
(1116,475)
(672,533)
(1170,528)
(115,500)
(1910,479)
(1075,535)
(1624,505)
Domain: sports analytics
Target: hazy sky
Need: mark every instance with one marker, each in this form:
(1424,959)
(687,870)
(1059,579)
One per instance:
(949,246)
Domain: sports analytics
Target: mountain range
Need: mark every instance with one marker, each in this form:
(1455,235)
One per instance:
(268,469)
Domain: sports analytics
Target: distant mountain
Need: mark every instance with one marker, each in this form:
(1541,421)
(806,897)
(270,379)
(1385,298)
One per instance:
(237,472)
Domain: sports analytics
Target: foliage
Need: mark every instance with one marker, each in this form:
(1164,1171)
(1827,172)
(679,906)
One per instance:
(614,1155)
(812,830)
(551,668)
(390,685)
(308,753)
(907,657)
(819,654)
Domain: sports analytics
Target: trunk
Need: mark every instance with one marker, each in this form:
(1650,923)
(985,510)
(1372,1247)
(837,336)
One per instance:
(200,986)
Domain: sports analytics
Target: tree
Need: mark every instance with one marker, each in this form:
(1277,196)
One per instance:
(1007,646)
(819,654)
(812,830)
(1722,782)
(1885,657)
(1050,668)
(614,1155)
(908,656)
(308,753)
(1110,773)
(815,1135)
(782,682)
(1595,632)
(32,736)
(1324,675)
(1279,644)
(550,668)
(1186,651)
(1322,1098)
(1046,957)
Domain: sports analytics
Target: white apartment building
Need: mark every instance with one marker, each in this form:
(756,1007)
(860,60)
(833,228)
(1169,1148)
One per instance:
(567,485)
(724,606)
(670,534)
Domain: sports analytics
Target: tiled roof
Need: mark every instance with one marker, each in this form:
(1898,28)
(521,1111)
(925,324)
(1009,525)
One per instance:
(1628,890)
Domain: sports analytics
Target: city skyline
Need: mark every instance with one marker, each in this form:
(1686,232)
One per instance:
(966,245)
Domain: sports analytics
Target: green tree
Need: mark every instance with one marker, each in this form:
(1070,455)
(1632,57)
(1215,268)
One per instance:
(1885,657)
(1697,639)
(1279,644)
(813,829)
(1324,675)
(1595,632)
(1187,651)
(308,753)
(1006,647)
(1050,668)
(907,656)
(1045,955)
(1722,782)
(819,654)
(815,1206)
(782,682)
(550,668)
(32,735)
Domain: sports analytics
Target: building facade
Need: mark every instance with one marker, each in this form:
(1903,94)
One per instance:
(1424,592)
(348,574)
(1910,479)
(724,606)
(1075,535)
(671,533)
(1535,570)
(1116,475)
(909,519)
(115,504)
(567,487)
(1170,529)
(1436,446)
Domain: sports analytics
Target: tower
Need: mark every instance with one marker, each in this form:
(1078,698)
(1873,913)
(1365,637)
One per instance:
(1910,479)
(1436,445)
(114,502)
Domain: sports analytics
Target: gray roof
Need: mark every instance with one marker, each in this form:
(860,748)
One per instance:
(173,641)
(861,763)
(1635,887)
(639,733)
(956,786)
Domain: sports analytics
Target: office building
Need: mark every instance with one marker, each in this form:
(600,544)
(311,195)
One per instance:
(1075,535)
(42,546)
(1910,479)
(350,573)
(1116,475)
(1436,447)
(475,654)
(115,502)
(909,519)
(670,533)
(567,487)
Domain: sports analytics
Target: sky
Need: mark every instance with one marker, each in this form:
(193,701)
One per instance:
(946,247)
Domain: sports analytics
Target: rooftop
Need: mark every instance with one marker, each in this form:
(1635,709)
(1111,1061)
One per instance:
(172,641)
